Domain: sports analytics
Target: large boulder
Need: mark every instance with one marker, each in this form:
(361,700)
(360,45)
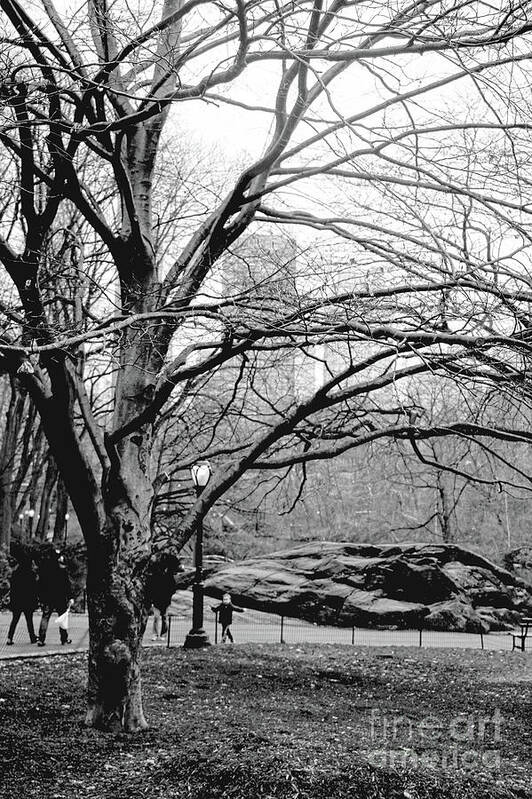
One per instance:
(437,586)
(457,616)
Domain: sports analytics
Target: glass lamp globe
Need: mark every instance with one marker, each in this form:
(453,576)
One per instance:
(201,474)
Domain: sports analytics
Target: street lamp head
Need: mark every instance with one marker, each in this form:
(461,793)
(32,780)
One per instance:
(201,474)
(31,513)
(67,517)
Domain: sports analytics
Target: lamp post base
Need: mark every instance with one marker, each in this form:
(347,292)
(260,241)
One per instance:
(196,639)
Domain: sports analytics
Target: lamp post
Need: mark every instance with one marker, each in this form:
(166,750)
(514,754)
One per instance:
(197,637)
(30,514)
(67,517)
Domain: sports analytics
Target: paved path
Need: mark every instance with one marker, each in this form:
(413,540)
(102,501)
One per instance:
(252,626)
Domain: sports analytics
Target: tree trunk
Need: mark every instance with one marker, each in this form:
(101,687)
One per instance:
(119,558)
(445,510)
(118,610)
(61,506)
(7,465)
(41,531)
(117,620)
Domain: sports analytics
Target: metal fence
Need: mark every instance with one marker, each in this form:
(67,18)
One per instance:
(260,627)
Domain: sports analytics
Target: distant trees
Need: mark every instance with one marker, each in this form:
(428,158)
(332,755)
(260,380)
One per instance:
(460,490)
(23,460)
(394,136)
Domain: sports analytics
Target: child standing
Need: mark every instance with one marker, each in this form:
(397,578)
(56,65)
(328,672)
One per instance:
(225,616)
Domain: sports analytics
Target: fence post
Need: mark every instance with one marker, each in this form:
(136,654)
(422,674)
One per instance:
(352,635)
(481,640)
(282,629)
(168,631)
(215,626)
(421,636)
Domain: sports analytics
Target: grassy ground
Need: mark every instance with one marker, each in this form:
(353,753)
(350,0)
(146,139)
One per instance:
(290,722)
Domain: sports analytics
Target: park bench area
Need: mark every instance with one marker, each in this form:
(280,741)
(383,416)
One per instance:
(519,638)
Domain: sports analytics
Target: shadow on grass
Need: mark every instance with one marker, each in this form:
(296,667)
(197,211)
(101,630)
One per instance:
(286,722)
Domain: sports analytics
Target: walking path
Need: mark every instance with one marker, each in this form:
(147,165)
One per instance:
(78,631)
(253,626)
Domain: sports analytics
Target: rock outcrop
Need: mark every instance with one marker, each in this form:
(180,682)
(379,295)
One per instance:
(435,586)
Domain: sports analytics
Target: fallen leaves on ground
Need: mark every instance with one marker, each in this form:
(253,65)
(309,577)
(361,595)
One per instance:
(278,722)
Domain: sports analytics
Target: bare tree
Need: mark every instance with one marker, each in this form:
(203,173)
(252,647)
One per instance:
(97,87)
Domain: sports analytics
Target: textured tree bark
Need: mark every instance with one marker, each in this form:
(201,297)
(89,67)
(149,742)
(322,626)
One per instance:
(118,609)
(117,619)
(118,613)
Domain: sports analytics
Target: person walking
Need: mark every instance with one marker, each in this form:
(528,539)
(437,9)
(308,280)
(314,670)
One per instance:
(55,592)
(160,588)
(225,616)
(22,597)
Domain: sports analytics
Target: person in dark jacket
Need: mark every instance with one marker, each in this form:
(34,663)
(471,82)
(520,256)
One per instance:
(160,588)
(55,592)
(225,616)
(23,598)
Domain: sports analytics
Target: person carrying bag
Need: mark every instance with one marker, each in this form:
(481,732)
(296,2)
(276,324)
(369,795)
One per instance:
(55,594)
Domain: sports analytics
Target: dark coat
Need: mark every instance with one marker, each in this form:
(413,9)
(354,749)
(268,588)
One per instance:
(160,588)
(225,613)
(54,586)
(23,589)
